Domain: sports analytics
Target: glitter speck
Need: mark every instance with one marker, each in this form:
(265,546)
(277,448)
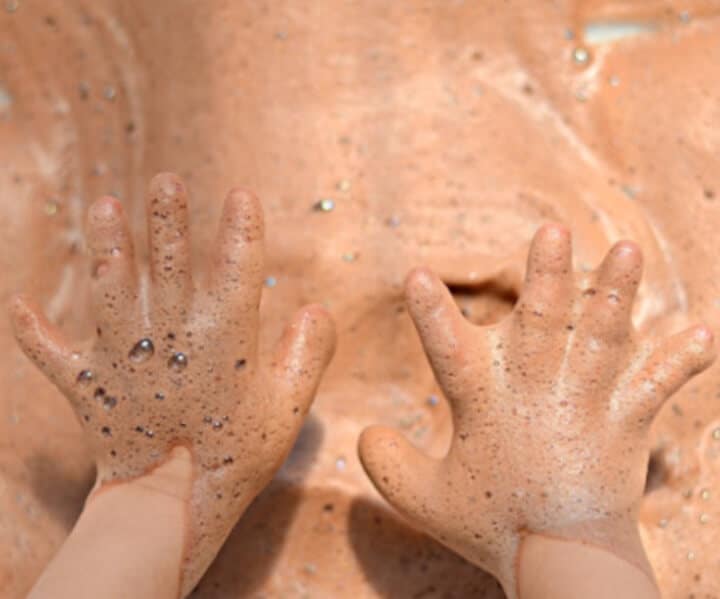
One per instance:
(433,400)
(705,495)
(340,464)
(691,556)
(324,205)
(109,93)
(663,523)
(629,191)
(393,221)
(12,5)
(349,256)
(704,518)
(5,99)
(581,55)
(51,207)
(716,434)
(109,403)
(344,185)
(685,16)
(614,80)
(217,425)
(270,282)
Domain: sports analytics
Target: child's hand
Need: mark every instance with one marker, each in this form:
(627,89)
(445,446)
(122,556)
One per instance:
(175,363)
(551,410)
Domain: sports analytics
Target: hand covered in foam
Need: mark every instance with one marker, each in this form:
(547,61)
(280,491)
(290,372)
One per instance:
(177,363)
(551,411)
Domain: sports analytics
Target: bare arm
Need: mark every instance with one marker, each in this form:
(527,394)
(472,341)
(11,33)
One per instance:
(129,540)
(558,569)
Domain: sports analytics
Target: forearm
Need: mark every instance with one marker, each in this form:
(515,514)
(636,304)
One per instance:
(550,568)
(129,540)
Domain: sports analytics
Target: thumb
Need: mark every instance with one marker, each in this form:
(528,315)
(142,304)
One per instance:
(45,344)
(401,473)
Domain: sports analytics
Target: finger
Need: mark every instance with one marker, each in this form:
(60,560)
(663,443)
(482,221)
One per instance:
(673,363)
(547,293)
(237,259)
(442,328)
(402,474)
(169,235)
(113,286)
(301,357)
(608,310)
(46,346)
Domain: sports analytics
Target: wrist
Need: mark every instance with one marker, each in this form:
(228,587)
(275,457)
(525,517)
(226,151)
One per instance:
(171,482)
(130,535)
(560,568)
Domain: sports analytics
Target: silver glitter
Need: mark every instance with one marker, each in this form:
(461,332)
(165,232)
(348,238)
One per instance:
(433,400)
(629,191)
(324,205)
(5,99)
(581,55)
(51,207)
(270,282)
(393,221)
(340,463)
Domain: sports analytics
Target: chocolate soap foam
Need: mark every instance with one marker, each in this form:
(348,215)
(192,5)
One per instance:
(445,134)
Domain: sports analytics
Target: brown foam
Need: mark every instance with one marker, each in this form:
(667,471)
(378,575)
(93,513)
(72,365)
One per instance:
(445,133)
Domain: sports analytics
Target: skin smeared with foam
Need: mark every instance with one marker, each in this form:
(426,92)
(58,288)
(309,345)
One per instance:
(551,410)
(174,361)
